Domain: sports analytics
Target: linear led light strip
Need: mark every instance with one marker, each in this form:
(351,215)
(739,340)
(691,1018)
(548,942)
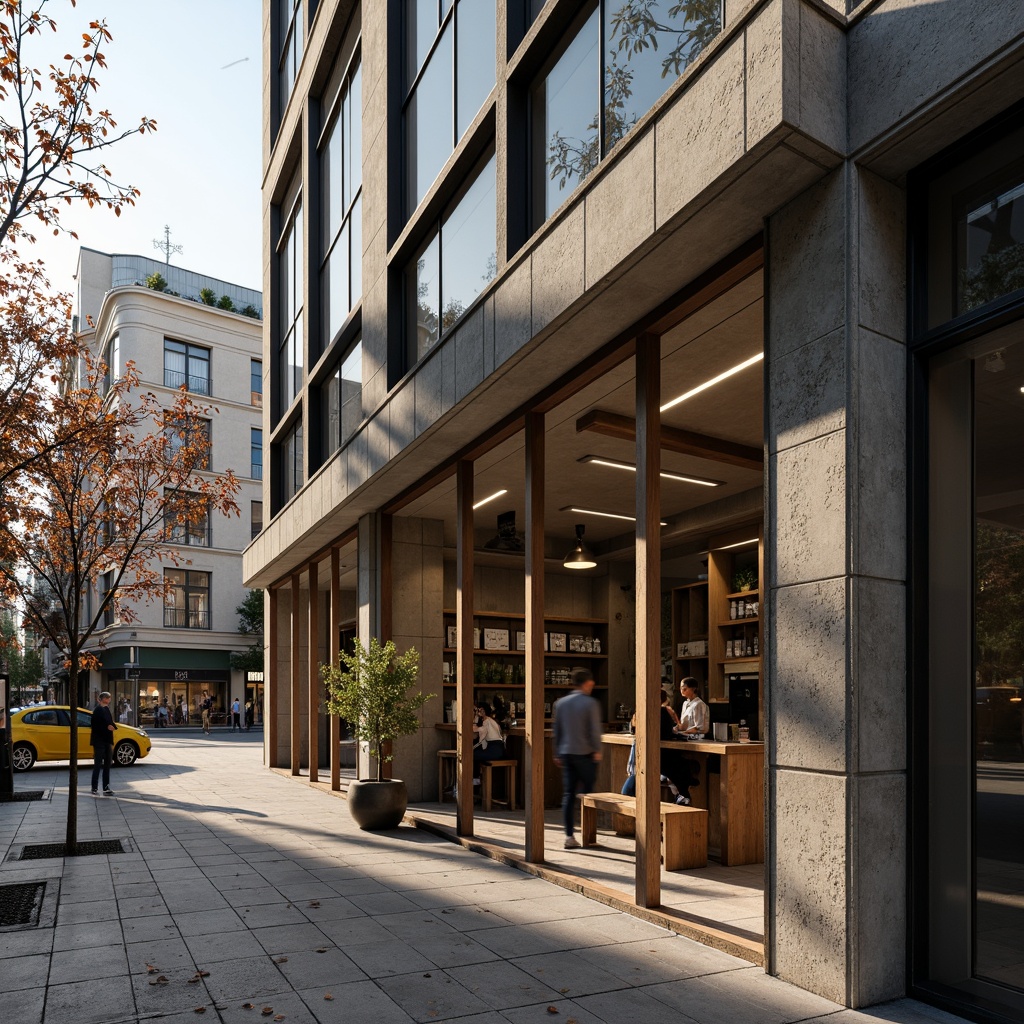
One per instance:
(599,460)
(714,380)
(596,512)
(490,497)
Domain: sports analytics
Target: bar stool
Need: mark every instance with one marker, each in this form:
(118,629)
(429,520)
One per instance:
(487,797)
(447,772)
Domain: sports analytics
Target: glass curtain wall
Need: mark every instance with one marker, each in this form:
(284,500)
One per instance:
(341,401)
(290,302)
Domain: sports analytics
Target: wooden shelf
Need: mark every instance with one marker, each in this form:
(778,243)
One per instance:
(582,620)
(739,622)
(518,686)
(582,655)
(745,594)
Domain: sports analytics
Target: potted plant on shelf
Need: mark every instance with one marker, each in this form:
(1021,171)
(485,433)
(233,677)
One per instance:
(370,688)
(744,579)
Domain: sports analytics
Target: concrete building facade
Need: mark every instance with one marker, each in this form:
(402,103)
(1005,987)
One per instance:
(776,254)
(180,649)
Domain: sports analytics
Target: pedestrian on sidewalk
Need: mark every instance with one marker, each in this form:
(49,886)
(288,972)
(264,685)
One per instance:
(236,715)
(102,737)
(207,707)
(577,745)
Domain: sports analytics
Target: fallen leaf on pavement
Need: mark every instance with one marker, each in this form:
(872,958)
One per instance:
(200,1009)
(552,1009)
(281,960)
(267,1011)
(248,1006)
(328,996)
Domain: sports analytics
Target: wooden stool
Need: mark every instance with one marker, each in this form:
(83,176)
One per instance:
(447,772)
(486,791)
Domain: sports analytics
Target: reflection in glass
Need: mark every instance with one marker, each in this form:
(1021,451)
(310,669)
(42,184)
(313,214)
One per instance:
(341,407)
(475,75)
(290,270)
(990,241)
(423,295)
(999,666)
(420,29)
(468,247)
(291,463)
(428,120)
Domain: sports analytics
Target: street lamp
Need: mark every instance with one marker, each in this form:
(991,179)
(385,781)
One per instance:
(132,673)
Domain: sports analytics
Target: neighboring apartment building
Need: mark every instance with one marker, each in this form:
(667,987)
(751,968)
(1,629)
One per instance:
(180,649)
(759,288)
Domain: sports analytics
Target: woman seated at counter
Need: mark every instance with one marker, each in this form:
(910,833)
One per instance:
(488,743)
(694,720)
(673,768)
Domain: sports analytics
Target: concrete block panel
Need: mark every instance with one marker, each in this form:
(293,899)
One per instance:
(701,135)
(402,407)
(809,496)
(807,244)
(620,210)
(766,37)
(878,671)
(822,79)
(427,386)
(468,347)
(807,391)
(878,483)
(880,269)
(557,269)
(447,377)
(807,676)
(488,314)
(878,829)
(905,55)
(810,894)
(407,588)
(513,303)
(378,436)
(406,530)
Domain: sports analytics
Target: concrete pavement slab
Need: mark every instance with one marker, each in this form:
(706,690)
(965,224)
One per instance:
(432,996)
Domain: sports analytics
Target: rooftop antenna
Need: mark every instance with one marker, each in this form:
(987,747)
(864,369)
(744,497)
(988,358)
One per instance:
(165,246)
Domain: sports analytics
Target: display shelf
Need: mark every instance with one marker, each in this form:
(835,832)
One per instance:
(488,652)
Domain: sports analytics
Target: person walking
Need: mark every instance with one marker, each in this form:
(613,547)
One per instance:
(577,745)
(207,707)
(236,715)
(102,738)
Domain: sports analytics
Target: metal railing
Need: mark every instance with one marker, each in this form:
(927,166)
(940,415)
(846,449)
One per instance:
(184,618)
(176,379)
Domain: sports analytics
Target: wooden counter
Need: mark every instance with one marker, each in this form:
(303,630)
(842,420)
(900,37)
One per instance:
(731,789)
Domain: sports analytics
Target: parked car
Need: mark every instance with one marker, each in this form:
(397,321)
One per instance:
(44,734)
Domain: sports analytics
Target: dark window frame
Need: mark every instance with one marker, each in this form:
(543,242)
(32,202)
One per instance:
(185,617)
(199,354)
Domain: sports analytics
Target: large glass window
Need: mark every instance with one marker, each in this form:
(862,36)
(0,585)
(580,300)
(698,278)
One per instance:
(256,383)
(341,400)
(186,366)
(187,521)
(112,362)
(449,68)
(290,32)
(256,453)
(289,319)
(454,266)
(191,440)
(255,518)
(186,599)
(292,476)
(620,58)
(341,175)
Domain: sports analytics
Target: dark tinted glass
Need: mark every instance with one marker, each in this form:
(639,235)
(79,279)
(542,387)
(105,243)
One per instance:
(423,298)
(428,121)
(420,29)
(475,69)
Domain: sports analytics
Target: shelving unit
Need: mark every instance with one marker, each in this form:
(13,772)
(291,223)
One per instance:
(690,632)
(502,671)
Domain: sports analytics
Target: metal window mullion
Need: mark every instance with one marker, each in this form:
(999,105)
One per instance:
(601,74)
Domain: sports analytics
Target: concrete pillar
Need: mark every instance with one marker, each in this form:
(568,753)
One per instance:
(836,566)
(368,596)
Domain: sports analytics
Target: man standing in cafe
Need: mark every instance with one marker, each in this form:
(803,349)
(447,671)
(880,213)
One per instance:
(577,745)
(102,738)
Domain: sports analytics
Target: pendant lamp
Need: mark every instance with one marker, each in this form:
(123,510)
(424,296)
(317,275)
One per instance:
(579,557)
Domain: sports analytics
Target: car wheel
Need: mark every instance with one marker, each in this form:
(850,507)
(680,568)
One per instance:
(125,754)
(24,757)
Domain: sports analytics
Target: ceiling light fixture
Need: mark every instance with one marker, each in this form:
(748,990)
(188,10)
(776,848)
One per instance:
(738,544)
(599,460)
(604,515)
(490,497)
(579,557)
(714,380)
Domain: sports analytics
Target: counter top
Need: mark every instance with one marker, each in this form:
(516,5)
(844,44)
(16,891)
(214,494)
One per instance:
(625,739)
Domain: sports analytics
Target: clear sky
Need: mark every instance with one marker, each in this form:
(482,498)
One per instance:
(200,172)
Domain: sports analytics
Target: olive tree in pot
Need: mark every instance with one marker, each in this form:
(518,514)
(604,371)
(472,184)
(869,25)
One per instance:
(371,689)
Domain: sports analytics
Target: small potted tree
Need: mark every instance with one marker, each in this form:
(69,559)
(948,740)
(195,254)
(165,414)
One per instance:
(370,689)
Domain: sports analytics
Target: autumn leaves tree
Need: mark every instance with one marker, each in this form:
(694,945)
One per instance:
(84,526)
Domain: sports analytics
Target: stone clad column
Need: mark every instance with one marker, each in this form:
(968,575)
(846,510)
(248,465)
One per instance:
(836,563)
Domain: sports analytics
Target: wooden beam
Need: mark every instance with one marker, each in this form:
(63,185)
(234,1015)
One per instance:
(685,442)
(271,722)
(464,649)
(296,732)
(313,672)
(333,647)
(534,767)
(648,620)
(386,616)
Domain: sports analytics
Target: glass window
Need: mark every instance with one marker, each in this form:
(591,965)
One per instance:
(450,71)
(290,33)
(576,117)
(190,440)
(341,401)
(256,452)
(112,361)
(256,518)
(106,584)
(292,476)
(290,271)
(187,520)
(454,266)
(186,366)
(186,599)
(256,383)
(342,179)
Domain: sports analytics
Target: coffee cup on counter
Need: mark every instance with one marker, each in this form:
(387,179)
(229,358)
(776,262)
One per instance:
(720,731)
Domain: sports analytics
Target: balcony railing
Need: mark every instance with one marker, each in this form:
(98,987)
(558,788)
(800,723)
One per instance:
(183,618)
(176,379)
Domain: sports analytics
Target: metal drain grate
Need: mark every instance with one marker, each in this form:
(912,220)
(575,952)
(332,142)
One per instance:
(20,903)
(41,851)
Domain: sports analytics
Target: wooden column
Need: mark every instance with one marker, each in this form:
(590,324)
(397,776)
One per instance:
(313,672)
(386,615)
(534,767)
(464,645)
(334,632)
(296,732)
(648,619)
(271,725)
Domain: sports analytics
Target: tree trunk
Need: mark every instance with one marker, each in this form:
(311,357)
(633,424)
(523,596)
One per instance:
(71,838)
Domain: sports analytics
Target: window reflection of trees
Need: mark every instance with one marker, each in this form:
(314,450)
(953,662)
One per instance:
(638,26)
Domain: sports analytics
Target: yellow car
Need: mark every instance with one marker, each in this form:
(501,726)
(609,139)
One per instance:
(43,734)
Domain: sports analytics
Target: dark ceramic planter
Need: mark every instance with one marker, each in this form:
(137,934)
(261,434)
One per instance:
(376,806)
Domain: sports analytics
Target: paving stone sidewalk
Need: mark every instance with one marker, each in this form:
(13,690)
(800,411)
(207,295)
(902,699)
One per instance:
(247,897)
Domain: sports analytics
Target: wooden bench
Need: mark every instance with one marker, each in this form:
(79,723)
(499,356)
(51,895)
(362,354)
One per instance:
(684,830)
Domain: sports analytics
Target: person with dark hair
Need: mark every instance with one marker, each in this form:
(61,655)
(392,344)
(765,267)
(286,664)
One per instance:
(488,742)
(694,724)
(577,745)
(101,736)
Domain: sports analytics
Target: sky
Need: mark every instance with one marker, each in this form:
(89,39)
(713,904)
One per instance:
(200,172)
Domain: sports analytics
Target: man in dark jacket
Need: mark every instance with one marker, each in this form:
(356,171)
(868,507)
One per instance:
(577,745)
(102,737)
